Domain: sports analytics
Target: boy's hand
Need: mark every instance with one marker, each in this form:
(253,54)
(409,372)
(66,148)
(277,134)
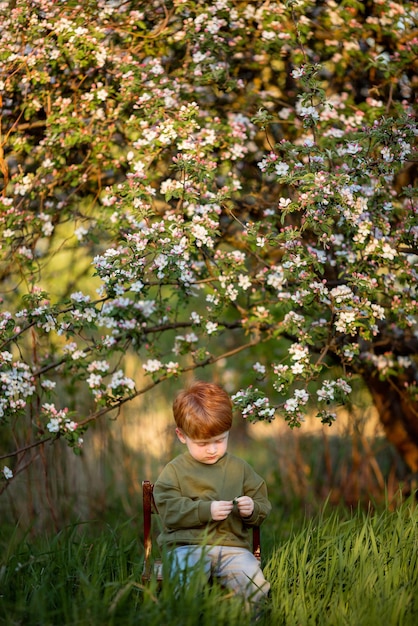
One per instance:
(245,506)
(220,509)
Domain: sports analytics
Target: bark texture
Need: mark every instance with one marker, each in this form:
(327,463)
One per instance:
(398,414)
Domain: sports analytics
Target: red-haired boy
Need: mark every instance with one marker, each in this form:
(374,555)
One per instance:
(208,499)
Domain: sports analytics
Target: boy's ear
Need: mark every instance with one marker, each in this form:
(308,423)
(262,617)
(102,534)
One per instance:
(180,435)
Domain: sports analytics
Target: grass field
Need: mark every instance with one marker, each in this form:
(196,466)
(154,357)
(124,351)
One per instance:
(337,568)
(329,564)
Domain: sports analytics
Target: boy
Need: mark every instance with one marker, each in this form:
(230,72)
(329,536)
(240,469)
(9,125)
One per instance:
(208,500)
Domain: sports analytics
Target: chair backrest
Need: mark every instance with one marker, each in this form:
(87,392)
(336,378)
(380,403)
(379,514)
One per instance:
(149,507)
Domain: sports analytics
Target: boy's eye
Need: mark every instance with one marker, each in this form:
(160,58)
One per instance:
(202,444)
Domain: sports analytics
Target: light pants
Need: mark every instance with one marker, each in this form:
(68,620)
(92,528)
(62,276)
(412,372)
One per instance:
(237,569)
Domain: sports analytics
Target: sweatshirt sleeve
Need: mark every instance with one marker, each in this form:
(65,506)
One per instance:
(255,487)
(177,511)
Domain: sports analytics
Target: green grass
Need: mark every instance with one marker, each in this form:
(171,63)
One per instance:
(362,571)
(353,569)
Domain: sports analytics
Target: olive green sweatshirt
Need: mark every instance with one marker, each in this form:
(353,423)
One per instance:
(183,494)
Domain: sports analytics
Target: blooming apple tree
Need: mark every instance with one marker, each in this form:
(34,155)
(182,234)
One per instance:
(185,181)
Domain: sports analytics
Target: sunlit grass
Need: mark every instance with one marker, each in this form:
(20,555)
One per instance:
(354,569)
(361,571)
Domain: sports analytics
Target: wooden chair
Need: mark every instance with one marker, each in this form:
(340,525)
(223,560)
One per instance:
(153,567)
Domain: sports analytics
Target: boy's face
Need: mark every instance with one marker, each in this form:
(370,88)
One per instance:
(207,451)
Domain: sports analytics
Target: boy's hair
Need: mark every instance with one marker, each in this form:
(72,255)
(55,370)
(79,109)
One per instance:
(203,410)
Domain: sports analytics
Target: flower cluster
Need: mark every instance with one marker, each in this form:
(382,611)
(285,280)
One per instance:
(17,385)
(293,408)
(60,423)
(332,390)
(108,392)
(253,405)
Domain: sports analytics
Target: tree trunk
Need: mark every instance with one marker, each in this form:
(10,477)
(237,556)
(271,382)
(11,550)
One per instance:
(398,414)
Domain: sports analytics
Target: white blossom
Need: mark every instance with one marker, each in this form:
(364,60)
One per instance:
(258,367)
(211,327)
(281,168)
(7,472)
(94,381)
(120,380)
(48,384)
(291,404)
(195,317)
(152,365)
(54,425)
